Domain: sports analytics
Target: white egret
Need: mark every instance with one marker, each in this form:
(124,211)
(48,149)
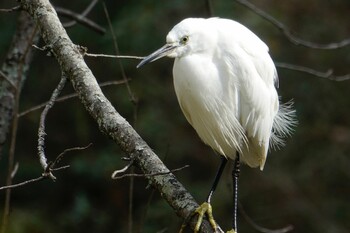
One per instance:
(225,81)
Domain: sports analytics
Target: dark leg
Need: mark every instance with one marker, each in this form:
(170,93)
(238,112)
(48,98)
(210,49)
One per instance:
(217,177)
(206,208)
(235,175)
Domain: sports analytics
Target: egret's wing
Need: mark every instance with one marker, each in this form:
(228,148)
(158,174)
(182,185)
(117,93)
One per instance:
(253,73)
(201,96)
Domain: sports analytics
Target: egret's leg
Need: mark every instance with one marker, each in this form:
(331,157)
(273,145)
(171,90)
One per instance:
(206,208)
(217,177)
(235,176)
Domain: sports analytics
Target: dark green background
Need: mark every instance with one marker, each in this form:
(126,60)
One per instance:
(305,184)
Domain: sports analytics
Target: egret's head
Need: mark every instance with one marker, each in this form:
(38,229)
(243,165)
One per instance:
(190,36)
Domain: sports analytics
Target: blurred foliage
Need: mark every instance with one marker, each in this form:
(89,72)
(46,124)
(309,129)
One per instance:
(306,183)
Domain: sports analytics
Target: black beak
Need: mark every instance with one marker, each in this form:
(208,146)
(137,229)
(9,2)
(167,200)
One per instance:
(162,52)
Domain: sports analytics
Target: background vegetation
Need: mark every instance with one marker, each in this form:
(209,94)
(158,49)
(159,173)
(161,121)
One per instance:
(305,184)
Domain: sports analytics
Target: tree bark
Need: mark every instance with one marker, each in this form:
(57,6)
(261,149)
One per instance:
(13,72)
(15,68)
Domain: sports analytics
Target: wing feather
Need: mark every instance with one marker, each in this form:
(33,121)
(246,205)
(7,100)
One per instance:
(249,64)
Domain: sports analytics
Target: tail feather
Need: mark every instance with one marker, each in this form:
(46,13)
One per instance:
(283,124)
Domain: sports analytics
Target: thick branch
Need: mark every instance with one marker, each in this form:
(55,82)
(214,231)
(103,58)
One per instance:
(13,71)
(107,118)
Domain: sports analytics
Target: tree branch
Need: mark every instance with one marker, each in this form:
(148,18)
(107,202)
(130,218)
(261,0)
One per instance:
(16,8)
(113,56)
(80,19)
(328,74)
(115,175)
(108,119)
(22,183)
(84,13)
(66,97)
(14,70)
(288,33)
(41,130)
(13,85)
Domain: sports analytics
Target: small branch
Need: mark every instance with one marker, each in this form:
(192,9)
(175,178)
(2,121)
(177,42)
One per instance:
(14,170)
(80,19)
(46,48)
(290,36)
(22,183)
(328,74)
(16,8)
(47,172)
(60,156)
(124,169)
(8,80)
(114,177)
(133,98)
(60,168)
(261,229)
(66,97)
(113,56)
(42,177)
(41,130)
(84,13)
(209,7)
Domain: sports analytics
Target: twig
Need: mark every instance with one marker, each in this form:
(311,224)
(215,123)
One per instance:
(12,152)
(286,229)
(152,174)
(16,8)
(8,80)
(42,177)
(124,169)
(209,6)
(50,167)
(328,74)
(84,13)
(290,36)
(45,48)
(81,19)
(60,168)
(113,56)
(116,48)
(41,130)
(14,170)
(22,183)
(60,156)
(66,97)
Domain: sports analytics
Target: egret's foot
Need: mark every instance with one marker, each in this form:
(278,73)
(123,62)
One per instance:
(232,231)
(203,209)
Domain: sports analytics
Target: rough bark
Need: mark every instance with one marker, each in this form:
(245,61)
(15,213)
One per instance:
(15,68)
(109,121)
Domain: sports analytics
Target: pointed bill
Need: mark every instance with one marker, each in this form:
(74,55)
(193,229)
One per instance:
(162,52)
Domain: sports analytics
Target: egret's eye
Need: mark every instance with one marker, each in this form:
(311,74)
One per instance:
(184,40)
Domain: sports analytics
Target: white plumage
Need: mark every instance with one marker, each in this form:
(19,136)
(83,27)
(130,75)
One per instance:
(225,81)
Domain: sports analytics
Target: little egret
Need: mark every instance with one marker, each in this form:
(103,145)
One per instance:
(225,81)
